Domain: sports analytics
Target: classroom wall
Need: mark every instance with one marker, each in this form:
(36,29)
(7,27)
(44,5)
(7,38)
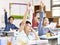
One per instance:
(47,3)
(4,4)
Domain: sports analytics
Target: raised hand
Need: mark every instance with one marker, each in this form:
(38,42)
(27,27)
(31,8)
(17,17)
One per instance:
(4,10)
(42,4)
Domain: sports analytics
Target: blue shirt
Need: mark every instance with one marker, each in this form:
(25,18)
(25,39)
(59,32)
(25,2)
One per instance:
(8,25)
(41,29)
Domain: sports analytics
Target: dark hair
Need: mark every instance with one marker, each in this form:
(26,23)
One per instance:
(11,17)
(27,22)
(44,18)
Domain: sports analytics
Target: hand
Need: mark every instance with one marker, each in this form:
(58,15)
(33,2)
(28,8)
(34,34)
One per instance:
(42,4)
(36,35)
(33,30)
(4,10)
(52,34)
(29,4)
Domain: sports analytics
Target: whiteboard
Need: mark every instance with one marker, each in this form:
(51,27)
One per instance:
(18,9)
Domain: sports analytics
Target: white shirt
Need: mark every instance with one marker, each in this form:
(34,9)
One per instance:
(26,38)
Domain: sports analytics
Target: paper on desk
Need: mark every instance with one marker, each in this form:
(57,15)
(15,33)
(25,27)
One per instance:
(38,42)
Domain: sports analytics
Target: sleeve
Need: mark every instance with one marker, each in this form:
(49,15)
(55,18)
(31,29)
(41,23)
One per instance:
(15,27)
(6,21)
(40,24)
(51,31)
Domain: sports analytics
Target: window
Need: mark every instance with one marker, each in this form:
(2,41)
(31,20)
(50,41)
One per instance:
(55,2)
(56,8)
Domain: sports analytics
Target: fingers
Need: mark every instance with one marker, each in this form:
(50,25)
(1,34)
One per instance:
(4,10)
(42,4)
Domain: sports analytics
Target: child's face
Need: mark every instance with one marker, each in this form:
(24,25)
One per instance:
(46,21)
(28,27)
(11,20)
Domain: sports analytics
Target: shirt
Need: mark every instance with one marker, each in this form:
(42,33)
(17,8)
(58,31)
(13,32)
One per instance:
(34,23)
(8,25)
(26,38)
(41,29)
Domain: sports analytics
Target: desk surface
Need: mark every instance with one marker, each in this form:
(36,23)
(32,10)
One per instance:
(52,37)
(56,29)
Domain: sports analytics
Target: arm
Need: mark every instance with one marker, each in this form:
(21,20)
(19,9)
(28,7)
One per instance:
(6,21)
(36,35)
(51,32)
(24,20)
(40,23)
(40,26)
(15,27)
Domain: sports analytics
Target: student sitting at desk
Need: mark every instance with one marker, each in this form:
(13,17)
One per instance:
(43,22)
(9,22)
(26,33)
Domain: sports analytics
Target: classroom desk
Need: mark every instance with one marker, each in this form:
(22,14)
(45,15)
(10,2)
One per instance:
(4,40)
(56,29)
(52,40)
